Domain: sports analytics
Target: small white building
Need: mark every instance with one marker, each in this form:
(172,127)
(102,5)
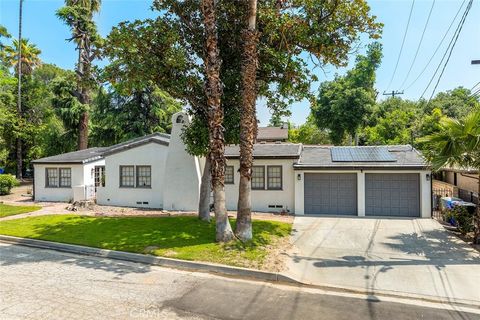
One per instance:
(155,171)
(67,177)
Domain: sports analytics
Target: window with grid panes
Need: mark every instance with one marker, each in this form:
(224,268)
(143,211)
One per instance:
(144,176)
(274,177)
(127,176)
(65,177)
(229,175)
(51,177)
(258,177)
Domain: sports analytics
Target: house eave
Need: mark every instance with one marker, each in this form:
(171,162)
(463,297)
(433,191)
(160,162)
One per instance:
(337,168)
(265,157)
(132,146)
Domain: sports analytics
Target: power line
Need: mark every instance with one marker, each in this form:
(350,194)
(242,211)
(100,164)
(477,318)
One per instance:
(462,22)
(437,48)
(419,44)
(455,35)
(403,43)
(475,86)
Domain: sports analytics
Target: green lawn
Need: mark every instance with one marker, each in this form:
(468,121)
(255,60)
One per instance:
(177,237)
(6,210)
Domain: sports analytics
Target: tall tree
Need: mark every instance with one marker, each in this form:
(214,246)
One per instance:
(344,103)
(213,93)
(78,14)
(248,123)
(3,34)
(169,51)
(118,116)
(19,96)
(457,144)
(23,57)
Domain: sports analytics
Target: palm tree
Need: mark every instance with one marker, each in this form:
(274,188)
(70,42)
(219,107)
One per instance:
(248,124)
(457,144)
(78,14)
(25,55)
(3,33)
(19,99)
(213,92)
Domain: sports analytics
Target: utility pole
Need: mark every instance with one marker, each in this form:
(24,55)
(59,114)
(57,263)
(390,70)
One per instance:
(393,93)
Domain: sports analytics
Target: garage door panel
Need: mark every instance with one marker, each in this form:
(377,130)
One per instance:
(392,194)
(330,193)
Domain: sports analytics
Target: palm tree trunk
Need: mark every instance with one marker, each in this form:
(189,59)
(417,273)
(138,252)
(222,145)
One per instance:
(19,156)
(204,203)
(248,125)
(213,92)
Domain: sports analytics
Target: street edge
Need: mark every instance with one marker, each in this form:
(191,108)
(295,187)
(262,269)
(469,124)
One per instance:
(227,271)
(151,260)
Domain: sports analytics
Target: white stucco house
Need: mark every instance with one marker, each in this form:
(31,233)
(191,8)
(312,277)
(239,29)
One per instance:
(155,171)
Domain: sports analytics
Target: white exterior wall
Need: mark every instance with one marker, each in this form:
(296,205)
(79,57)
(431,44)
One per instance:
(151,154)
(182,173)
(261,199)
(80,176)
(425,189)
(88,172)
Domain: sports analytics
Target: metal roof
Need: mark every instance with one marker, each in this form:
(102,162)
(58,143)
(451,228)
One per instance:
(319,157)
(268,150)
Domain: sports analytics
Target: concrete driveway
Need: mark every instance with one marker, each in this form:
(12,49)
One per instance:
(414,257)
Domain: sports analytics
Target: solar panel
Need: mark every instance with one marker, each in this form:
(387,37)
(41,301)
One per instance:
(361,154)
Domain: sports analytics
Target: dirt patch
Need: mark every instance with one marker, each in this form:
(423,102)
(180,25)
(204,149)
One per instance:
(111,211)
(21,194)
(278,253)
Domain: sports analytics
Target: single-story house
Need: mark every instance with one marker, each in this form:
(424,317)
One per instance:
(272,134)
(155,171)
(67,176)
(463,182)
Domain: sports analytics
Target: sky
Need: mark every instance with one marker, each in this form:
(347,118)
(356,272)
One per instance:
(42,27)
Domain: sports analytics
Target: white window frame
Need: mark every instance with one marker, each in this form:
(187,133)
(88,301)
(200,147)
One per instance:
(281,177)
(137,177)
(232,181)
(121,176)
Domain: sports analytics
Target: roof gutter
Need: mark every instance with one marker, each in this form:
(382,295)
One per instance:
(324,168)
(265,157)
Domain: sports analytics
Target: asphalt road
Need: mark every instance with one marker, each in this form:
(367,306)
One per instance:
(44,284)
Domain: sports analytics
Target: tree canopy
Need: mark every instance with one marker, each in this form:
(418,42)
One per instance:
(343,104)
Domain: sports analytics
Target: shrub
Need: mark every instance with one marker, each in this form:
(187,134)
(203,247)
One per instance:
(460,218)
(464,219)
(7,182)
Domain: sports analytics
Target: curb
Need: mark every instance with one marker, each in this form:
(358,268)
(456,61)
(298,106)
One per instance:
(223,270)
(152,260)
